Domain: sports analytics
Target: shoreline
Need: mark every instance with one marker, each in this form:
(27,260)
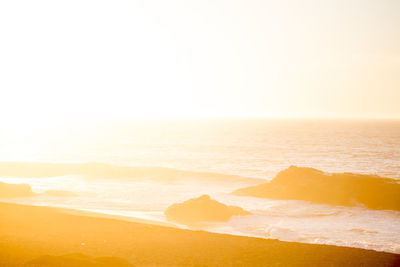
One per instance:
(29,232)
(206,227)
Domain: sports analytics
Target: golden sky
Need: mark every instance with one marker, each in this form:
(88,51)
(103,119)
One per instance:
(101,60)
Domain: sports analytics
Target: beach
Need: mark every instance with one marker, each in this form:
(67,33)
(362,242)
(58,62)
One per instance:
(29,232)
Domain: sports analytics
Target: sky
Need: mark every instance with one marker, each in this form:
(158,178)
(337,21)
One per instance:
(124,60)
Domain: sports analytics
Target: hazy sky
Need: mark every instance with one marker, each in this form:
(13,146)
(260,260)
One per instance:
(69,60)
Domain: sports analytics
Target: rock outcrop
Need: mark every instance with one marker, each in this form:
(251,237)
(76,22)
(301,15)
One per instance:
(346,189)
(15,190)
(202,209)
(25,190)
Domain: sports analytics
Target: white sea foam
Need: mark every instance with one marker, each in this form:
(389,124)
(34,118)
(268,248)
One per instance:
(286,220)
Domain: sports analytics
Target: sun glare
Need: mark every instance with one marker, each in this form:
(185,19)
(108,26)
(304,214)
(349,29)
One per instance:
(199,133)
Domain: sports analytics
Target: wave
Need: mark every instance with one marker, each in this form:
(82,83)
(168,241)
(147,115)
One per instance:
(282,233)
(363,231)
(104,170)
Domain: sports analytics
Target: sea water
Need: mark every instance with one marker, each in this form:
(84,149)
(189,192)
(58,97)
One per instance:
(249,148)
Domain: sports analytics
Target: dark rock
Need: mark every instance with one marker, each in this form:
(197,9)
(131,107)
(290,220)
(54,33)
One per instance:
(346,189)
(202,209)
(15,190)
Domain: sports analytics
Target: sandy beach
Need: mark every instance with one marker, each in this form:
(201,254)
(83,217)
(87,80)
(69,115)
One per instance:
(30,232)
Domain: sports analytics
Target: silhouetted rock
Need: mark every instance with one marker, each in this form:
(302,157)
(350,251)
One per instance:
(78,260)
(15,190)
(202,209)
(25,190)
(346,189)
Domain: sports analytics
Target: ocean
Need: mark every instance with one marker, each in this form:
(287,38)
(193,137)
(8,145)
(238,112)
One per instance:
(256,148)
